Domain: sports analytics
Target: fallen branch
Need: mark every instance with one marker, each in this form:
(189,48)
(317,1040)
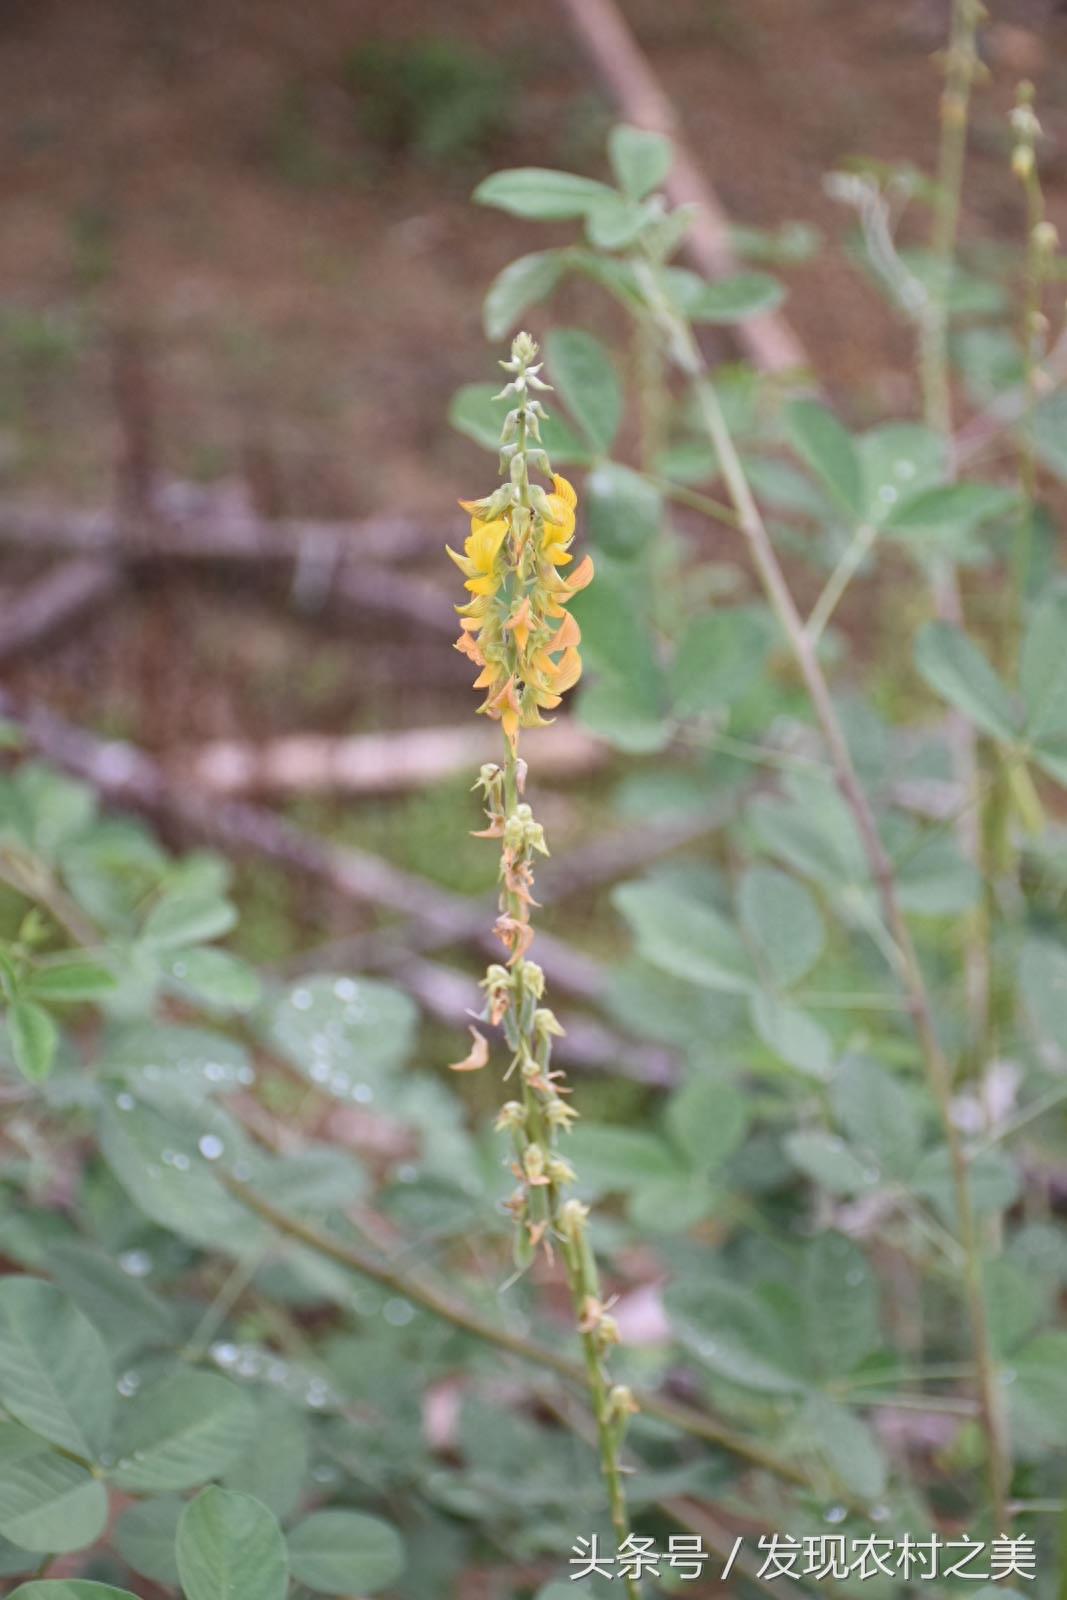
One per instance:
(371,763)
(597,863)
(188,524)
(340,564)
(55,601)
(127,776)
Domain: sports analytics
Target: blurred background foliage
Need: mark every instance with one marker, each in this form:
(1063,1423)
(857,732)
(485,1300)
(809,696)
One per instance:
(240,251)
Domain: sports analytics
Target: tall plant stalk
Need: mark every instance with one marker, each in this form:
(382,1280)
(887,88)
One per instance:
(518,630)
(688,356)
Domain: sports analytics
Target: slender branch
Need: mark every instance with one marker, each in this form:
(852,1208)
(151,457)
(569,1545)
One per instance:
(851,560)
(450,1310)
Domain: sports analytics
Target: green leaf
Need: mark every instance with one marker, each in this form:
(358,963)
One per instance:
(994,1182)
(830,1162)
(840,1305)
(792,1033)
(823,444)
(478,414)
(1043,671)
(615,222)
(707,1119)
(787,245)
(1016,1301)
(14,1562)
(623,510)
(541,194)
(191,1062)
(521,284)
(899,460)
(849,1447)
(934,878)
(1050,433)
(720,655)
(230,1547)
(952,506)
(47,1501)
(1043,979)
(181,1432)
(159,1159)
(685,937)
(585,377)
(627,705)
(640,160)
(70,1589)
(34,1039)
(215,979)
(344,1552)
(879,1115)
(349,1035)
(736,1334)
(610,710)
(783,921)
(69,980)
(182,918)
(614,1160)
(616,639)
(55,1373)
(1036,1396)
(144,1537)
(55,811)
(728,300)
(956,669)
(274,1463)
(672,1205)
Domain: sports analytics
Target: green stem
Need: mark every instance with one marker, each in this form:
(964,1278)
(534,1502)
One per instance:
(544,1200)
(987,839)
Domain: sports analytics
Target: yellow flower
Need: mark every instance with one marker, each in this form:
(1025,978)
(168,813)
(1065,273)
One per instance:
(516,627)
(558,533)
(479,563)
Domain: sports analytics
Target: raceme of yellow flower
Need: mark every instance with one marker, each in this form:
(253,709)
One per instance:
(516,627)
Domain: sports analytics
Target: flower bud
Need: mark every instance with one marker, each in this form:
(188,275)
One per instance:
(533,1163)
(523,349)
(572,1218)
(547,1024)
(607,1332)
(533,979)
(621,1403)
(559,1172)
(560,1115)
(1046,238)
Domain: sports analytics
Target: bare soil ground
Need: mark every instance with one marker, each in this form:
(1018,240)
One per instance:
(308,291)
